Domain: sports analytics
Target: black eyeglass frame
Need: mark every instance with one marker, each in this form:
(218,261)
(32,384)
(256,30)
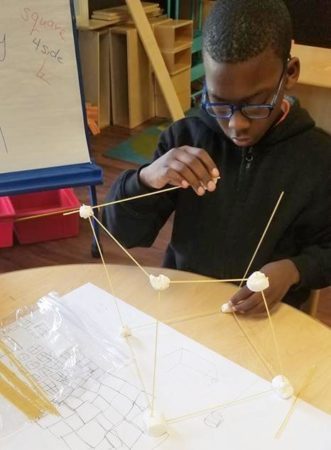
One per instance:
(242,107)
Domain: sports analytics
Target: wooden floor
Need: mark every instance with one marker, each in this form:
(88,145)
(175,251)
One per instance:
(78,250)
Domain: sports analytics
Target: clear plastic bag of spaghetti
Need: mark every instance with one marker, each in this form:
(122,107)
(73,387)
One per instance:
(50,361)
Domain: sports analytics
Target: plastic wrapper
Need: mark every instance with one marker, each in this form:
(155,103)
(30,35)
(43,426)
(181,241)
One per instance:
(59,348)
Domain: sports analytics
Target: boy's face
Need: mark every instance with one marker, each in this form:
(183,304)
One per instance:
(254,81)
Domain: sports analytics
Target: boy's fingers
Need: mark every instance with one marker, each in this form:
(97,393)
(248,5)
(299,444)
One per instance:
(204,158)
(255,304)
(176,179)
(182,166)
(180,171)
(241,295)
(249,304)
(198,168)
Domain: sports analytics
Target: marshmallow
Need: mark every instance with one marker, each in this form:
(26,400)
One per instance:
(282,386)
(159,283)
(155,424)
(227,307)
(85,211)
(125,331)
(257,282)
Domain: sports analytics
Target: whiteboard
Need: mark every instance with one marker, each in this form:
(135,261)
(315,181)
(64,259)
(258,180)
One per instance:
(41,116)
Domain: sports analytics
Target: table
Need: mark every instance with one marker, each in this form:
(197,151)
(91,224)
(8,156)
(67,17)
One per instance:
(314,86)
(193,310)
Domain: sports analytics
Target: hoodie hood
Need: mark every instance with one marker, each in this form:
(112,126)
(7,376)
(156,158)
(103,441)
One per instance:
(297,122)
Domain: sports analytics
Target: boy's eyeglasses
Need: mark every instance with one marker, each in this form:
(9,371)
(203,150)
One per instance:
(221,110)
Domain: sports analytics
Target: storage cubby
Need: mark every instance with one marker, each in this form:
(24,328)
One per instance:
(178,59)
(174,34)
(131,79)
(181,82)
(95,63)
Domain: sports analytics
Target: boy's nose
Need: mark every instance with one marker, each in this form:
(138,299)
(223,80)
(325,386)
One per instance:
(238,123)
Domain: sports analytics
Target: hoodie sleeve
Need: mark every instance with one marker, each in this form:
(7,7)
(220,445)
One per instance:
(314,260)
(137,222)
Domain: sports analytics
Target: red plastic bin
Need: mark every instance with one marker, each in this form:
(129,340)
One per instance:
(47,228)
(7,214)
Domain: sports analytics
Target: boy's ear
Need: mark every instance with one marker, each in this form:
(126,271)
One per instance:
(293,72)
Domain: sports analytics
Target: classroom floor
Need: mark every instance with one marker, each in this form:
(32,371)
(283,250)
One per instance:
(78,250)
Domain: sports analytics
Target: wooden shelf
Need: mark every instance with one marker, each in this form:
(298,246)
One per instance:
(178,59)
(95,61)
(161,109)
(131,79)
(173,34)
(182,84)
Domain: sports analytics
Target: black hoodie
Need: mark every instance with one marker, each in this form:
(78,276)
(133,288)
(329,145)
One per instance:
(216,234)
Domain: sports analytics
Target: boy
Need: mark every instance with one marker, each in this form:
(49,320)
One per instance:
(260,143)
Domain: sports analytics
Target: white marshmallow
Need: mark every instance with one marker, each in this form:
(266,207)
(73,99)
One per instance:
(159,283)
(125,331)
(257,282)
(227,308)
(85,211)
(155,425)
(282,386)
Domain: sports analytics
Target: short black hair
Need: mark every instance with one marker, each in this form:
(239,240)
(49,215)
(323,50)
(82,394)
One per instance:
(237,30)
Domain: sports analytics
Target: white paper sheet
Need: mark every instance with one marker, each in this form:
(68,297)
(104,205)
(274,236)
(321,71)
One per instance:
(106,410)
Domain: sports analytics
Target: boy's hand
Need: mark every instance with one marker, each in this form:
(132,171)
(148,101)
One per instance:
(282,275)
(183,166)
